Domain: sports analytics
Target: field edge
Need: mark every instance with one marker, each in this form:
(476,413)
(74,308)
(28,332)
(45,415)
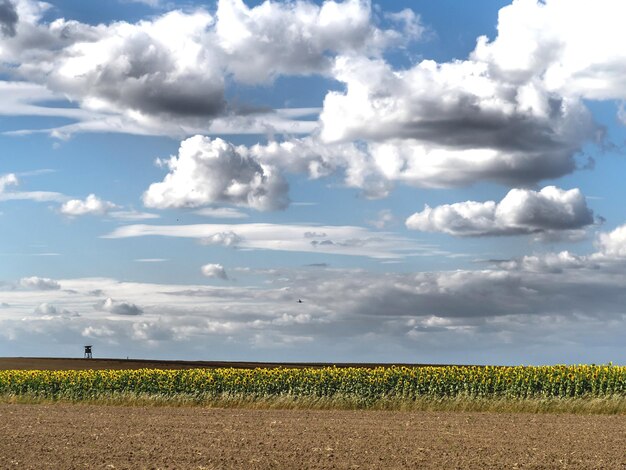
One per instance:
(614,405)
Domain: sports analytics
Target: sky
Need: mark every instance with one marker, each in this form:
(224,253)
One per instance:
(436,182)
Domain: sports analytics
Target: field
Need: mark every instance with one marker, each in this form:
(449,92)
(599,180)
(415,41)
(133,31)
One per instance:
(87,436)
(51,363)
(52,415)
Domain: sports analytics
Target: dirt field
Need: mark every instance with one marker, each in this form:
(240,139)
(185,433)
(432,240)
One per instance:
(82,436)
(46,363)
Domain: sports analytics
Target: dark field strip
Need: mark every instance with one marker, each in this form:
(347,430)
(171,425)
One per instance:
(48,363)
(80,436)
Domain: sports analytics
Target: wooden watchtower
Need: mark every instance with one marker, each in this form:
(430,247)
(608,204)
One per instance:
(88,352)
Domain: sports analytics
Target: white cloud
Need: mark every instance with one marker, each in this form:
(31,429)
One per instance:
(37,196)
(117,307)
(162,66)
(133,215)
(210,171)
(91,205)
(613,244)
(150,3)
(549,263)
(7,180)
(229,238)
(46,309)
(318,159)
(306,155)
(344,240)
(298,37)
(384,218)
(544,41)
(39,283)
(562,300)
(166,75)
(11,179)
(215,271)
(452,124)
(522,211)
(221,213)
(28,99)
(546,299)
(278,121)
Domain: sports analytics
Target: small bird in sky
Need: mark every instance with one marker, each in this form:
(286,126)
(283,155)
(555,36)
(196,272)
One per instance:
(299,301)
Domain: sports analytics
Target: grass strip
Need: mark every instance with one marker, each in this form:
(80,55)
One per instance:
(614,405)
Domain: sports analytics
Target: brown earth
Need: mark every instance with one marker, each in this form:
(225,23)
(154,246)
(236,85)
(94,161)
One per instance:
(96,436)
(47,363)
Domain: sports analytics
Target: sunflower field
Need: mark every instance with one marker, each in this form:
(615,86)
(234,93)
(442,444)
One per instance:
(405,383)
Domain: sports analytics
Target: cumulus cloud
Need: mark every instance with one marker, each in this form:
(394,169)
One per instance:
(312,156)
(144,68)
(613,244)
(168,74)
(608,258)
(215,271)
(8,18)
(91,205)
(46,309)
(229,238)
(7,180)
(39,283)
(210,171)
(521,211)
(452,124)
(118,307)
(549,263)
(513,112)
(299,37)
(305,155)
(543,40)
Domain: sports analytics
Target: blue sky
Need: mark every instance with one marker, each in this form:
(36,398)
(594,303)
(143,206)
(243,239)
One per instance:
(436,181)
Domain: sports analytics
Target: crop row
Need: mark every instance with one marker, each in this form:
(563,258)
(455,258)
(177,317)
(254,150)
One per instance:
(367,384)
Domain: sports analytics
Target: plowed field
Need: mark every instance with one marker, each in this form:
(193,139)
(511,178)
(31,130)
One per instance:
(87,436)
(47,363)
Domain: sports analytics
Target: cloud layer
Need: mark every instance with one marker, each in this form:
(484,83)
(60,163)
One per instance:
(565,304)
(344,240)
(8,18)
(39,283)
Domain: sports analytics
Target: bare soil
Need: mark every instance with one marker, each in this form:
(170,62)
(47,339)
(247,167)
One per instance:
(47,363)
(96,436)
